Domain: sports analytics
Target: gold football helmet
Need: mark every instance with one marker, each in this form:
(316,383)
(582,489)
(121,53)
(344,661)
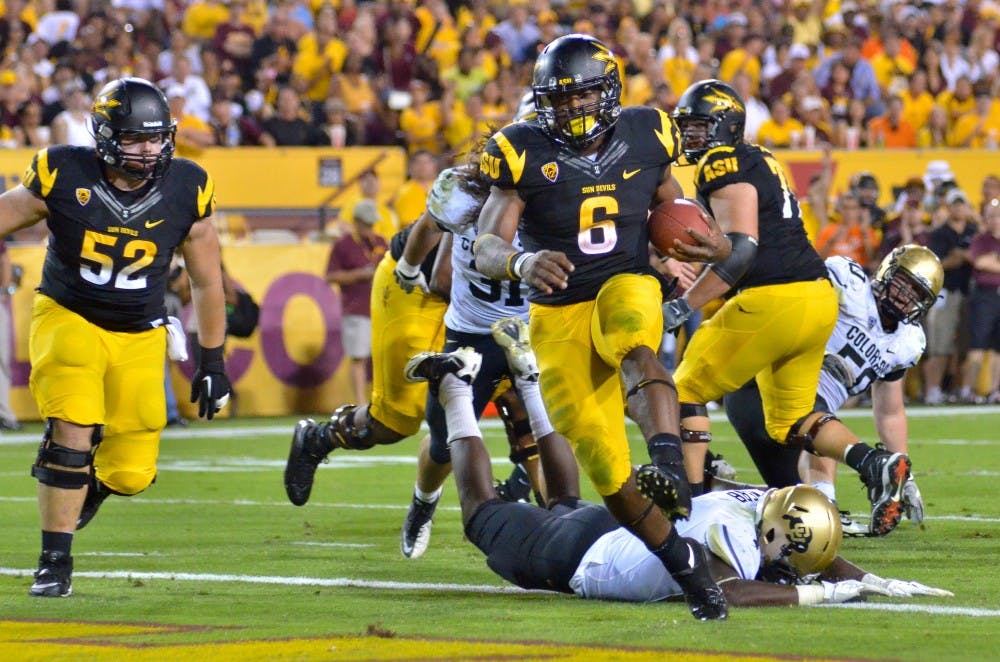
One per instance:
(907,282)
(800,532)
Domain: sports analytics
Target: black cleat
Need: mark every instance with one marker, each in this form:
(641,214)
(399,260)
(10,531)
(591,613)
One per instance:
(884,474)
(53,579)
(704,597)
(97,492)
(416,533)
(431,367)
(667,487)
(517,487)
(309,448)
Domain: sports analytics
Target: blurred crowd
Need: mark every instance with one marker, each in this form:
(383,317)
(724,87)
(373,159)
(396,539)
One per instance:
(932,209)
(436,75)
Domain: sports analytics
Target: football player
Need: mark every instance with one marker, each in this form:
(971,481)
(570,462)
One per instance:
(877,337)
(767,548)
(405,320)
(576,185)
(116,214)
(781,307)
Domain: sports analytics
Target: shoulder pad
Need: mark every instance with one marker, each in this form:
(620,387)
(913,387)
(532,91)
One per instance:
(654,120)
(505,155)
(41,174)
(192,176)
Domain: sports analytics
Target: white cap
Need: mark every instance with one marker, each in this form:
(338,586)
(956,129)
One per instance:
(798,51)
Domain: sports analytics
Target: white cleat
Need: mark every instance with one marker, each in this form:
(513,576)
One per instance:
(511,333)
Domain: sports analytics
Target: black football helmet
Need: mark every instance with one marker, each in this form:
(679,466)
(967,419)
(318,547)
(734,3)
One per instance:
(710,113)
(574,63)
(907,283)
(132,107)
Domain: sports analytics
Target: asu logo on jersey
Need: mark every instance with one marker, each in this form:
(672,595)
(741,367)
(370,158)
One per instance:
(83,196)
(551,171)
(720,167)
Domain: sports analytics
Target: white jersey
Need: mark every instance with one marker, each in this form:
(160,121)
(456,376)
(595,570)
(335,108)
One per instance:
(869,352)
(619,567)
(476,301)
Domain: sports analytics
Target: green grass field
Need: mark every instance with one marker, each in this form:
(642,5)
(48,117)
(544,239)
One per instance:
(213,555)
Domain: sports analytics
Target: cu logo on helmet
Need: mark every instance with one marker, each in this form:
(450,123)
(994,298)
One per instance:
(799,535)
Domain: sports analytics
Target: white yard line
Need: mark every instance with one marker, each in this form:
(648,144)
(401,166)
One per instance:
(349,582)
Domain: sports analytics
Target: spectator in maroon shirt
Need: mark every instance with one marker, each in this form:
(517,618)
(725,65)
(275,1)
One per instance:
(984,305)
(352,267)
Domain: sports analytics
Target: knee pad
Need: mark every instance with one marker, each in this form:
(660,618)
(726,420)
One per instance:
(49,452)
(516,424)
(522,454)
(688,410)
(345,433)
(804,440)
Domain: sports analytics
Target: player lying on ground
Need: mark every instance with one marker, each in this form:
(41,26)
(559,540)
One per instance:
(765,548)
(876,339)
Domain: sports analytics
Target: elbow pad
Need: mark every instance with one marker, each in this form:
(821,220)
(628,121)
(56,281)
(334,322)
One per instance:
(740,258)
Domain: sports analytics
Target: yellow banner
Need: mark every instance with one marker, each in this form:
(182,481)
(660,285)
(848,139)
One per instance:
(277,178)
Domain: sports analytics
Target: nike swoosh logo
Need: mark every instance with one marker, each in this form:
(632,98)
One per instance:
(153,224)
(690,556)
(628,173)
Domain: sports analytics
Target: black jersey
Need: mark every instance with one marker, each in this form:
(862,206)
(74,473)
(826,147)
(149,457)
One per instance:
(784,254)
(109,250)
(593,209)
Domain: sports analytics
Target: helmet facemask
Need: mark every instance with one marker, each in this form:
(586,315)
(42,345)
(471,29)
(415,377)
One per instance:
(579,126)
(136,166)
(698,135)
(907,283)
(709,114)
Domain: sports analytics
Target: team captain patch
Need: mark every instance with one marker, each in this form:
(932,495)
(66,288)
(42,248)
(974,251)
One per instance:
(551,171)
(83,196)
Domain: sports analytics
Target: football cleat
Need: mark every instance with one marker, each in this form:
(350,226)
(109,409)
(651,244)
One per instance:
(97,492)
(667,487)
(704,597)
(885,474)
(852,528)
(53,579)
(416,533)
(307,451)
(511,333)
(431,367)
(517,487)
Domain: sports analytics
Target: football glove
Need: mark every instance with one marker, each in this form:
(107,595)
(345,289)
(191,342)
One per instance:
(210,387)
(836,592)
(837,367)
(675,313)
(410,277)
(900,588)
(913,502)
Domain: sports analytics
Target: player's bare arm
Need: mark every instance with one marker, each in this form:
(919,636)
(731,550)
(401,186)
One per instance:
(425,236)
(889,412)
(19,209)
(441,274)
(204,264)
(497,258)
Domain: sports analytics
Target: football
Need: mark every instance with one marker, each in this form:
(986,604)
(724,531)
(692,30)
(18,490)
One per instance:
(671,219)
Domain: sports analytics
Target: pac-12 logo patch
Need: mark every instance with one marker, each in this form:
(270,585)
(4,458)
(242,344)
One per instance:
(551,171)
(83,196)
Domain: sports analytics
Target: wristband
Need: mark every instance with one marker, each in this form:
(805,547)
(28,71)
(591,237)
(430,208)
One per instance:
(518,266)
(212,358)
(810,594)
(406,269)
(508,266)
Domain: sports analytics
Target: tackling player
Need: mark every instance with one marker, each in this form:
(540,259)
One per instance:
(116,214)
(767,548)
(877,337)
(781,307)
(577,186)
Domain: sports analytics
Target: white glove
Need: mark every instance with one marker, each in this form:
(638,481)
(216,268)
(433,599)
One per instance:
(837,367)
(900,588)
(409,276)
(836,592)
(913,502)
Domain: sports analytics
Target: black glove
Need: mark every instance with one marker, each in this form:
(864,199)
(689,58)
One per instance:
(675,313)
(210,387)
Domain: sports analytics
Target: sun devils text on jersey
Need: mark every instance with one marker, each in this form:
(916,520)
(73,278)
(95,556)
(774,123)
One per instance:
(109,250)
(784,254)
(593,209)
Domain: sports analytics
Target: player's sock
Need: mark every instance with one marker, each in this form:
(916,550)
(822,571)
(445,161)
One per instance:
(456,398)
(665,448)
(697,489)
(827,488)
(855,455)
(673,553)
(531,397)
(57,541)
(427,497)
